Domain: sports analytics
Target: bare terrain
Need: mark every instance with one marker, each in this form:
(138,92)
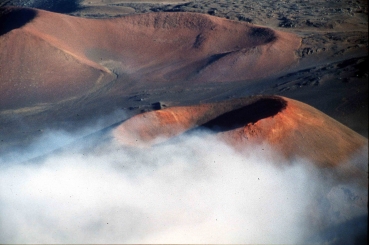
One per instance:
(252,121)
(291,74)
(329,74)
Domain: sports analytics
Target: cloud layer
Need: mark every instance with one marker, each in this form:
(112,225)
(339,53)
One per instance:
(194,190)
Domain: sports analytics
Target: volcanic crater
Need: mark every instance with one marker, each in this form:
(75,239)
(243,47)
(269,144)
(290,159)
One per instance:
(245,85)
(249,122)
(84,55)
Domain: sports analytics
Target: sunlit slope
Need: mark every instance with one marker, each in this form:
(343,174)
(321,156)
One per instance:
(50,56)
(292,128)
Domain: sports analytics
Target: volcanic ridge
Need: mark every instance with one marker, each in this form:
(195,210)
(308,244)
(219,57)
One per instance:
(49,57)
(243,123)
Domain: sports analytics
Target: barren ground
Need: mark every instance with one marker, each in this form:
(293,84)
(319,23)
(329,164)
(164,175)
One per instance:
(331,73)
(101,62)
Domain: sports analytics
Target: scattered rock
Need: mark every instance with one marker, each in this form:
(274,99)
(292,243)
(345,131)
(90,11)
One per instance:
(286,22)
(158,105)
(212,11)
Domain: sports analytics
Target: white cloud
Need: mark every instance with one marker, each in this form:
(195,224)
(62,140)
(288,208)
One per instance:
(195,190)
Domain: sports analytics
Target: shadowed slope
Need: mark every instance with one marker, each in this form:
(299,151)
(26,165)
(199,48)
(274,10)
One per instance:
(13,18)
(59,6)
(291,127)
(148,48)
(262,108)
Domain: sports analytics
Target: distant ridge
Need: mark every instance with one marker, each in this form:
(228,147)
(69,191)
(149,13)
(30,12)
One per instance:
(53,57)
(58,6)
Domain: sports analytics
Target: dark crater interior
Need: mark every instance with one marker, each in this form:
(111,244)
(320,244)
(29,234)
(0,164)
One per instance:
(13,18)
(262,108)
(58,6)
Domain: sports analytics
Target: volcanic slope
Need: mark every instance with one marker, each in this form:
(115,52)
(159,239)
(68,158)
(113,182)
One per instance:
(49,57)
(293,128)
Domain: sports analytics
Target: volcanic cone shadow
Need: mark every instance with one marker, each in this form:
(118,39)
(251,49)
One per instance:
(263,35)
(58,6)
(262,108)
(13,18)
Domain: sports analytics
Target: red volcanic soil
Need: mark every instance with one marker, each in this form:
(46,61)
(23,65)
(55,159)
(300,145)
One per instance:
(296,130)
(49,57)
(293,128)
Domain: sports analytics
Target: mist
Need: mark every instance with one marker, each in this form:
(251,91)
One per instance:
(195,189)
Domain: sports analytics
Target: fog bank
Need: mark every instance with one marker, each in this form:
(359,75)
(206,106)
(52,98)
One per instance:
(195,190)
